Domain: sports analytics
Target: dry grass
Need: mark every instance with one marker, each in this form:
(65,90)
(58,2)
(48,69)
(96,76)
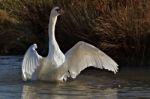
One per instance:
(120,27)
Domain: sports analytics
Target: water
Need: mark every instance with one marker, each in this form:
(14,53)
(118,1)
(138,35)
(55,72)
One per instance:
(91,84)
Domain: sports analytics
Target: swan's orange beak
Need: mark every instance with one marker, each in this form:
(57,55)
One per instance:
(61,11)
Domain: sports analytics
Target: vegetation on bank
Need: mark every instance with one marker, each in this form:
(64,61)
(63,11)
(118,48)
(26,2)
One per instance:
(121,28)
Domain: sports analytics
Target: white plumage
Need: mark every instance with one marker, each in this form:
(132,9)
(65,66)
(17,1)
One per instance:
(31,62)
(57,66)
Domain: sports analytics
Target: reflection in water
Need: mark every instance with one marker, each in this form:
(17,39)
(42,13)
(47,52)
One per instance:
(129,83)
(69,90)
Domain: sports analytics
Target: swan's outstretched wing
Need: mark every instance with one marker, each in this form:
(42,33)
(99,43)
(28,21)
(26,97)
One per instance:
(83,55)
(30,62)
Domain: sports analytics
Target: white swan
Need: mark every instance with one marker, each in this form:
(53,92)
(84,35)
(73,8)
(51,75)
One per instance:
(57,66)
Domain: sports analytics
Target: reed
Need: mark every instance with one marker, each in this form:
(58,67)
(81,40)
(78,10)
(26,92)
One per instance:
(119,27)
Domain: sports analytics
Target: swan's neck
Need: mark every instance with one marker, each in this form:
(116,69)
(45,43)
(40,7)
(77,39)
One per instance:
(53,46)
(51,28)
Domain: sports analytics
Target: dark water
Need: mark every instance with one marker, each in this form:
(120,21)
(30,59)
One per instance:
(91,84)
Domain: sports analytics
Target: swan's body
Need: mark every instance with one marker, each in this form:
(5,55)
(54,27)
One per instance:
(57,66)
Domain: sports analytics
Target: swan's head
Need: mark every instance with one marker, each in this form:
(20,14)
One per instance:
(56,11)
(34,46)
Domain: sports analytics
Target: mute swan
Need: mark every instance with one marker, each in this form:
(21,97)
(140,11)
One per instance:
(58,66)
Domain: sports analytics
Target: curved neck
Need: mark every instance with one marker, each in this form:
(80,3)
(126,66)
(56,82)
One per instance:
(53,46)
(51,28)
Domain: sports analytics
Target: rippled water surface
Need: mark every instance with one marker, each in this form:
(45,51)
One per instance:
(91,84)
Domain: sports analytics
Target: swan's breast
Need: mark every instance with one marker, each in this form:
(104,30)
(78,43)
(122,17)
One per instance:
(50,68)
(53,62)
(59,59)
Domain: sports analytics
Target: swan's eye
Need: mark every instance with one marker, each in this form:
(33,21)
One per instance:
(58,9)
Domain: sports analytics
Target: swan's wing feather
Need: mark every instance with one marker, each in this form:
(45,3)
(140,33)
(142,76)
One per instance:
(30,62)
(84,55)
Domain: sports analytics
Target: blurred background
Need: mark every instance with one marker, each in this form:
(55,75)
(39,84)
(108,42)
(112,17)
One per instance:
(120,28)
